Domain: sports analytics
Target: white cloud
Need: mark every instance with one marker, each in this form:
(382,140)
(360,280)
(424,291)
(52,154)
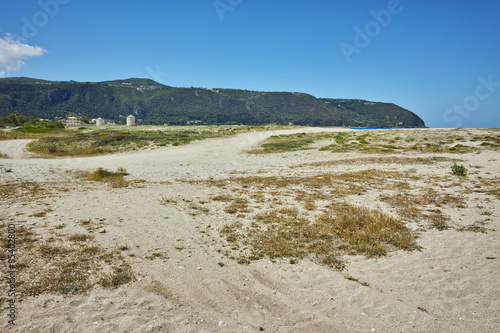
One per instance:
(12,54)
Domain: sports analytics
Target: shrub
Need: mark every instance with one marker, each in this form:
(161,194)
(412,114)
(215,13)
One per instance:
(101,173)
(115,179)
(459,170)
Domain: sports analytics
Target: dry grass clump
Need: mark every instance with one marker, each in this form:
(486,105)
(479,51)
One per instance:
(26,191)
(365,231)
(325,186)
(283,231)
(238,205)
(475,227)
(343,229)
(164,201)
(119,276)
(489,186)
(357,181)
(61,264)
(428,198)
(196,209)
(425,206)
(79,238)
(310,205)
(42,213)
(231,232)
(222,197)
(350,278)
(24,237)
(438,221)
(281,236)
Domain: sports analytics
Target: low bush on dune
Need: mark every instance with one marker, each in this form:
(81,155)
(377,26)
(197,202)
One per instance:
(459,170)
(115,179)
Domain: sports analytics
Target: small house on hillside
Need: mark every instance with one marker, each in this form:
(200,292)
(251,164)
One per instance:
(73,121)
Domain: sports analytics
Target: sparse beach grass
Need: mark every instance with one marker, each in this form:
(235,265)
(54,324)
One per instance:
(34,133)
(283,143)
(342,229)
(383,160)
(106,140)
(283,213)
(26,191)
(284,231)
(62,263)
(383,141)
(313,214)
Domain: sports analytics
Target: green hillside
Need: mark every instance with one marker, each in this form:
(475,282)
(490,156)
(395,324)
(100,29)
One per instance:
(360,113)
(155,103)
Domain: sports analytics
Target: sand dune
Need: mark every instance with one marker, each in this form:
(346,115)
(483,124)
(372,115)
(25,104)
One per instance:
(451,285)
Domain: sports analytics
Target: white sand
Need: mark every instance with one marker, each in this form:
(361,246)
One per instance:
(448,287)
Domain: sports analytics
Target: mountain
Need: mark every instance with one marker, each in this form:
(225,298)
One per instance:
(156,103)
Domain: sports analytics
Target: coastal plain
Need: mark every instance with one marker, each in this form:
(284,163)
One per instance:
(237,234)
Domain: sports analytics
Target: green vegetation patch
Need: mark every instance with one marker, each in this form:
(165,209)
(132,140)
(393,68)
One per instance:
(37,126)
(422,141)
(459,170)
(115,179)
(107,140)
(101,174)
(284,143)
(32,128)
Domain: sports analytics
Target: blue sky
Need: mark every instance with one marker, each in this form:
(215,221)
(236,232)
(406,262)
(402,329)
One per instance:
(439,59)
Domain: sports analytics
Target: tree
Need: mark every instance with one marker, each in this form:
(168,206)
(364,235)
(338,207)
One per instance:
(85,120)
(16,119)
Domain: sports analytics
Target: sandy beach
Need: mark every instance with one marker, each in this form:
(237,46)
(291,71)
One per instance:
(186,274)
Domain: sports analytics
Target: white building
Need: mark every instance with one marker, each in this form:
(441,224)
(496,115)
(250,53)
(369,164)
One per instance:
(73,121)
(99,122)
(131,120)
